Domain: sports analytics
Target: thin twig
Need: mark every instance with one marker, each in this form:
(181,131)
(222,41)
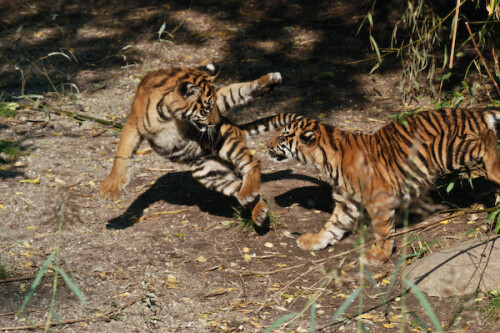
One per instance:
(457,10)
(495,59)
(74,115)
(23,278)
(482,59)
(105,316)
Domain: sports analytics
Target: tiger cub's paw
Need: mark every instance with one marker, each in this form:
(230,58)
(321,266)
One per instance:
(376,256)
(314,241)
(259,213)
(111,188)
(265,84)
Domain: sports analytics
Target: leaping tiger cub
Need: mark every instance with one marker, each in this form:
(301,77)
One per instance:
(382,170)
(178,111)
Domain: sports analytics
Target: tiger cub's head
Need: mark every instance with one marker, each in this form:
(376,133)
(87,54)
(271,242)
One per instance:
(186,93)
(199,94)
(296,140)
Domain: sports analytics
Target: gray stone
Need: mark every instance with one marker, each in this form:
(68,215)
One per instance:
(459,270)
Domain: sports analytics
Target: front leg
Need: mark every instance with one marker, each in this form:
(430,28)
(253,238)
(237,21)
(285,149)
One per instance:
(242,93)
(235,151)
(343,219)
(118,178)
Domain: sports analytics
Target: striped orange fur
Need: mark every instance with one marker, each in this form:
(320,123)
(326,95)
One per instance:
(178,111)
(381,171)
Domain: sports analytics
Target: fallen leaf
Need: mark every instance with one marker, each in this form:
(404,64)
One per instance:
(216,292)
(247,257)
(268,244)
(165,212)
(172,279)
(201,259)
(31,181)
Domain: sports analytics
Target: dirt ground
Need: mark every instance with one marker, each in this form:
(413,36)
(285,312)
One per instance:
(169,256)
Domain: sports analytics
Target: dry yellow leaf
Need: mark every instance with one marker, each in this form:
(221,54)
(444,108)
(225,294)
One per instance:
(31,181)
(201,259)
(165,212)
(247,257)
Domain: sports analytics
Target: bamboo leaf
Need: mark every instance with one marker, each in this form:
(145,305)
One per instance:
(162,28)
(346,303)
(37,280)
(73,287)
(280,321)
(313,316)
(425,304)
(59,53)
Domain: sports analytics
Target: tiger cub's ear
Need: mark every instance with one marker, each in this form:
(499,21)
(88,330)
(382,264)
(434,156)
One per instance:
(212,69)
(187,89)
(307,137)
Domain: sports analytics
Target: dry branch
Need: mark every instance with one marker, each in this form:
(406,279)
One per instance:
(482,59)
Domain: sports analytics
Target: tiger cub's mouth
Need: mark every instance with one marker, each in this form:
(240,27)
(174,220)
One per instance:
(275,156)
(202,127)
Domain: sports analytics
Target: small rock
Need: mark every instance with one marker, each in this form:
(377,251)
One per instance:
(459,270)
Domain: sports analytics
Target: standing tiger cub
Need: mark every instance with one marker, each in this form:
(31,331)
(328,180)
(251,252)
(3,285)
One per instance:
(381,171)
(178,111)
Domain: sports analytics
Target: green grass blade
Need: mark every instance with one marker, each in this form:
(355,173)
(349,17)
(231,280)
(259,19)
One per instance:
(425,304)
(346,303)
(37,280)
(419,322)
(280,321)
(313,316)
(372,280)
(73,287)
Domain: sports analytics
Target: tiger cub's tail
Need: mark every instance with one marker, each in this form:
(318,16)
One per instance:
(264,125)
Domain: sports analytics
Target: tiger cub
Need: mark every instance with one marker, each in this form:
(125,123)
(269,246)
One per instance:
(178,111)
(381,171)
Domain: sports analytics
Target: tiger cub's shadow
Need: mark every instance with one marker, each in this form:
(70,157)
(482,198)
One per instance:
(179,188)
(176,188)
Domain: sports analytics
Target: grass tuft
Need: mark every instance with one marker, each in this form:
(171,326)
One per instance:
(245,223)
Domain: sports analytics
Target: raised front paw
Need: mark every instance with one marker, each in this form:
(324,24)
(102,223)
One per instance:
(314,241)
(266,84)
(111,187)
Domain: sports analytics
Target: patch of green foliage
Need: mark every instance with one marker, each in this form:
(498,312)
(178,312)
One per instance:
(245,223)
(492,310)
(8,109)
(3,272)
(10,148)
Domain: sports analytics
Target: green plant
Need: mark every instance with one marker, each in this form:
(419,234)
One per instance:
(426,39)
(245,223)
(494,216)
(491,312)
(10,149)
(8,109)
(3,272)
(397,279)
(53,261)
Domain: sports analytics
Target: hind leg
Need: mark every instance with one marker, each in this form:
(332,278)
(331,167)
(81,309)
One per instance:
(218,175)
(382,214)
(490,158)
